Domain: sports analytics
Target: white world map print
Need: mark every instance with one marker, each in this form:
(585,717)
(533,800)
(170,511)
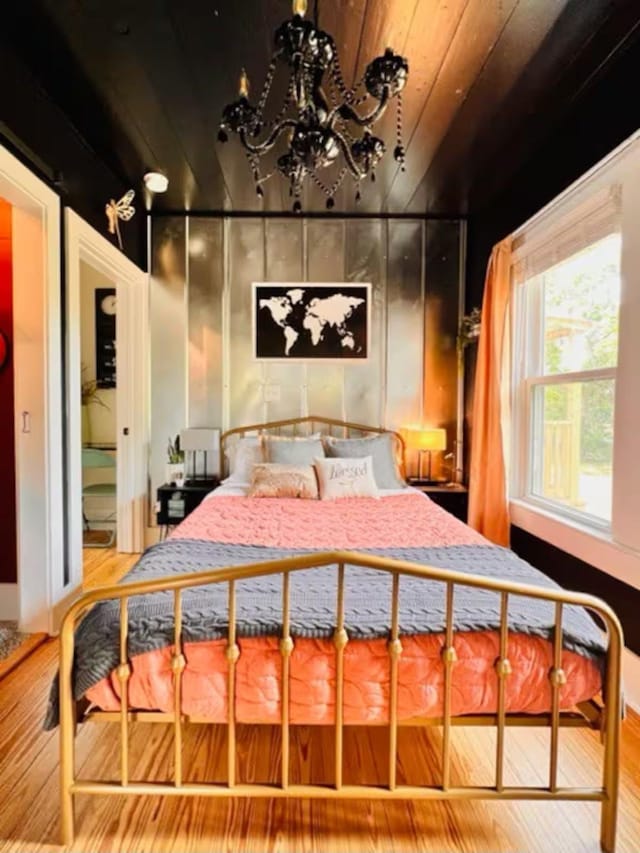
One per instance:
(311,321)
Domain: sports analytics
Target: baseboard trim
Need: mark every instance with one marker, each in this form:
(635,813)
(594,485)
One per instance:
(61,607)
(9,602)
(29,645)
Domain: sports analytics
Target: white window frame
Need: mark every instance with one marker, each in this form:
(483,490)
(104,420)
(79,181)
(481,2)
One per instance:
(614,549)
(526,490)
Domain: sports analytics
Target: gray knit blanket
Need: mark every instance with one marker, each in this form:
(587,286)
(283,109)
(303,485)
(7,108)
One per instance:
(313,604)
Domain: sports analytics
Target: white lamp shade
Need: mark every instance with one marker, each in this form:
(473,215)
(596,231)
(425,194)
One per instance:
(200,438)
(427,438)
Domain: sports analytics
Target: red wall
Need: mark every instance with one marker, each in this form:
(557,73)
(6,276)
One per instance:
(8,557)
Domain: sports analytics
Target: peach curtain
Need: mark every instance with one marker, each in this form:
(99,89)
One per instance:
(488,512)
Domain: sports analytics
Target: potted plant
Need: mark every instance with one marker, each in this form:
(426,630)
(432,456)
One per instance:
(470,328)
(175,463)
(89,396)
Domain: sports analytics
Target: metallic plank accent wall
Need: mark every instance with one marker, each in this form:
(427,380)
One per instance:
(444,265)
(168,341)
(202,369)
(205,265)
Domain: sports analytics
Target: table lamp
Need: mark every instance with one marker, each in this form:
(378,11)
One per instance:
(425,440)
(199,440)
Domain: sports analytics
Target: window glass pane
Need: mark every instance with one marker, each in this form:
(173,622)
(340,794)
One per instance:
(581,304)
(572,446)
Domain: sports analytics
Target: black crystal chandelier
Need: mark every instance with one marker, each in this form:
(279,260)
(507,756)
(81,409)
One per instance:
(323,128)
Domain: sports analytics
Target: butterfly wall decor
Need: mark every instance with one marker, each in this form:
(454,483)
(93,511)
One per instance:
(119,210)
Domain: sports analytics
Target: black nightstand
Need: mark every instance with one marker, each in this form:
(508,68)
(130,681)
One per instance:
(452,498)
(174,503)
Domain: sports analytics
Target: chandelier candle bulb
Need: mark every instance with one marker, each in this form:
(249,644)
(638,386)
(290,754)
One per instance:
(324,124)
(243,89)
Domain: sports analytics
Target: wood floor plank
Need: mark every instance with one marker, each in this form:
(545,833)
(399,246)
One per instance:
(29,820)
(11,661)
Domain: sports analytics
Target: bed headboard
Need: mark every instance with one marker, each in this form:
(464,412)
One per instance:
(307,426)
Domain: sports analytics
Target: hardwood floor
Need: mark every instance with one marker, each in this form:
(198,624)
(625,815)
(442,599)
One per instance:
(102,566)
(17,655)
(29,784)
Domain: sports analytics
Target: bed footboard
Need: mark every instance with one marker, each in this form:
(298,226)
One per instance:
(607,717)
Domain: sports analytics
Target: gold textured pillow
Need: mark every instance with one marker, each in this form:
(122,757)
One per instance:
(273,480)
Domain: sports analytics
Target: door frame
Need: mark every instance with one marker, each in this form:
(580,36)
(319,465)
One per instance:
(84,243)
(38,409)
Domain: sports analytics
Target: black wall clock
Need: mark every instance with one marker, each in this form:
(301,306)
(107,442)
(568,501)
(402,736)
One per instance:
(105,308)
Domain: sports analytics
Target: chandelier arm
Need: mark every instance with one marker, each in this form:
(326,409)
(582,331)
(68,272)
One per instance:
(266,88)
(264,178)
(351,163)
(349,113)
(270,141)
(288,98)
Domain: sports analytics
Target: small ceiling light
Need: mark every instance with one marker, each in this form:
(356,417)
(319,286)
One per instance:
(156,182)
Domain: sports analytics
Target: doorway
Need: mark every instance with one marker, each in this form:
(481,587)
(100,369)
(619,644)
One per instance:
(8,514)
(98,393)
(29,593)
(106,351)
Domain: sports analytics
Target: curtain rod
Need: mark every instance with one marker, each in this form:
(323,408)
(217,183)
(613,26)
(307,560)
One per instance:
(257,214)
(606,162)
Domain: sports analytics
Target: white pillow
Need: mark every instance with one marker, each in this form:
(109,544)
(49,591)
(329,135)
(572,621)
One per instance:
(346,478)
(242,456)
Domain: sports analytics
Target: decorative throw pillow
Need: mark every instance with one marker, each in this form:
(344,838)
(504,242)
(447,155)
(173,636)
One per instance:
(270,480)
(242,456)
(286,450)
(346,478)
(382,450)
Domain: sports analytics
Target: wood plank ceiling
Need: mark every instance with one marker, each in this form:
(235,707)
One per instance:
(483,73)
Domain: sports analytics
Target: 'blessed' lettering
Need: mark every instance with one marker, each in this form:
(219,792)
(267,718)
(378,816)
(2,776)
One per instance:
(339,471)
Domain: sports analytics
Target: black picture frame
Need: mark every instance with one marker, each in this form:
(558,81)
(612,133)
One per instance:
(286,327)
(105,318)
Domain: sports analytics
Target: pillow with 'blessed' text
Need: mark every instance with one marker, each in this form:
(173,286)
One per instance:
(346,478)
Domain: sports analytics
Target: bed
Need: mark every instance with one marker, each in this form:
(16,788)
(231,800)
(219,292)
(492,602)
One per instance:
(379,611)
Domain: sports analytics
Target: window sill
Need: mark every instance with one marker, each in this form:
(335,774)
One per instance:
(596,547)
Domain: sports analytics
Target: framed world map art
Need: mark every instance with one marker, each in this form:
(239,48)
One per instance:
(311,321)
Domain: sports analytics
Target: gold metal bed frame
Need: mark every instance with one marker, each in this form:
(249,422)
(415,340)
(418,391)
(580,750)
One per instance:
(605,717)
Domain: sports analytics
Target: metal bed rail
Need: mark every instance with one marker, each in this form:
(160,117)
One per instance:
(608,720)
(305,426)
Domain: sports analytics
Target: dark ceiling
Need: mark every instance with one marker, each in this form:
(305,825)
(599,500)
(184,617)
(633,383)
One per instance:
(144,83)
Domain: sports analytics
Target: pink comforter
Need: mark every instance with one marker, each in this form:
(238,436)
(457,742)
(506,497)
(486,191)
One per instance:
(409,520)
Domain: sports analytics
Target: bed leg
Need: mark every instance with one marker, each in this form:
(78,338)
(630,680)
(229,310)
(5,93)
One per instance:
(608,820)
(67,818)
(68,712)
(68,725)
(67,737)
(611,731)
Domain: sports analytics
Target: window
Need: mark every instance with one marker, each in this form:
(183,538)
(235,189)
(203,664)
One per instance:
(566,343)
